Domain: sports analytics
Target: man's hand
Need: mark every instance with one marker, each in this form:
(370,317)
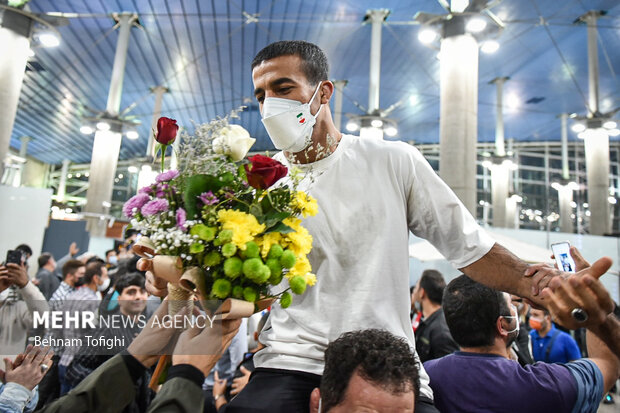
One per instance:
(202,348)
(542,274)
(219,385)
(5,282)
(585,292)
(73,249)
(155,339)
(14,274)
(240,382)
(156,286)
(30,372)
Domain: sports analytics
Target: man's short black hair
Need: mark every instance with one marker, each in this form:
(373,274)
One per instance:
(94,258)
(71,267)
(433,283)
(25,249)
(128,280)
(314,61)
(377,355)
(108,252)
(92,269)
(471,311)
(44,259)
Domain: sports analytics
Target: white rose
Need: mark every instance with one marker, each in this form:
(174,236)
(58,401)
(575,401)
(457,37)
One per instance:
(235,141)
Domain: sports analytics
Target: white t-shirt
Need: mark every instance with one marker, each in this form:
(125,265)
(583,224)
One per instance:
(370,193)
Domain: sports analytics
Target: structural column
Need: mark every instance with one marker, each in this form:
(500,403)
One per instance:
(339,86)
(62,183)
(500,171)
(23,151)
(565,188)
(458,117)
(159,96)
(14,33)
(107,144)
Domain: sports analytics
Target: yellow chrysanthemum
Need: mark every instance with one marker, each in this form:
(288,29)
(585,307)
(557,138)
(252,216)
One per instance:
(305,204)
(310,279)
(266,241)
(243,226)
(292,222)
(302,267)
(300,241)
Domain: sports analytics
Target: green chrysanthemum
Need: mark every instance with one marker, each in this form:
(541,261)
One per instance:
(212,259)
(276,271)
(221,288)
(252,268)
(228,250)
(285,299)
(287,260)
(237,291)
(251,250)
(250,294)
(204,232)
(233,267)
(275,251)
(298,284)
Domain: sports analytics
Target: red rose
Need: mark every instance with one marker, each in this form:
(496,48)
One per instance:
(166,130)
(264,171)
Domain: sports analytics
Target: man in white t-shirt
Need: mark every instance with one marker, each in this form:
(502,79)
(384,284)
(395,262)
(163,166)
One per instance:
(371,194)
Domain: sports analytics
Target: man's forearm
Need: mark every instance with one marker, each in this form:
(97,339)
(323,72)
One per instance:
(502,270)
(609,333)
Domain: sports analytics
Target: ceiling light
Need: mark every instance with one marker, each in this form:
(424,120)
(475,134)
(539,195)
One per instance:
(103,126)
(490,46)
(30,52)
(476,25)
(86,129)
(376,123)
(458,6)
(132,169)
(573,204)
(613,132)
(413,100)
(516,198)
(487,164)
(352,126)
(512,101)
(578,127)
(132,134)
(48,39)
(427,35)
(610,124)
(612,200)
(391,131)
(582,135)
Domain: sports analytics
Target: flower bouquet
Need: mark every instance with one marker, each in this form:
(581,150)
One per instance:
(220,227)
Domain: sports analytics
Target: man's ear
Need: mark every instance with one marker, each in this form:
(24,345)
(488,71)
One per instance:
(499,327)
(315,396)
(326,92)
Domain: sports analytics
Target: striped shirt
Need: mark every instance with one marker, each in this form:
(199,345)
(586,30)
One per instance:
(60,295)
(81,300)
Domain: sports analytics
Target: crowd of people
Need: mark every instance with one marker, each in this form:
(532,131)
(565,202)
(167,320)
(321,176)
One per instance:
(348,343)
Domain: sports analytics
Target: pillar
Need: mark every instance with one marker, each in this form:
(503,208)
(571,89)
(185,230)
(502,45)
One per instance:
(62,183)
(597,168)
(107,144)
(339,86)
(159,95)
(458,116)
(500,178)
(14,33)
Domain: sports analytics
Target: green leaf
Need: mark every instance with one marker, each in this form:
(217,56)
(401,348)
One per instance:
(273,218)
(256,210)
(195,186)
(281,228)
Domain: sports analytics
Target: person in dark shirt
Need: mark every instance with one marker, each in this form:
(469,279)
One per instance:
(433,339)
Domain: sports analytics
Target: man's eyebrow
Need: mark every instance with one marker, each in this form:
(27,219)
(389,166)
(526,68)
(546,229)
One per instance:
(274,83)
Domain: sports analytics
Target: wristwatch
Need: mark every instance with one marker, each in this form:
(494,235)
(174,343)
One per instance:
(217,397)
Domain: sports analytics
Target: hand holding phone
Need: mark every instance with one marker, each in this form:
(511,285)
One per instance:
(563,259)
(14,257)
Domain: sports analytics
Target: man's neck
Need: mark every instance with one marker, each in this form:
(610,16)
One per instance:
(49,268)
(130,316)
(498,348)
(70,283)
(429,308)
(325,140)
(91,286)
(545,331)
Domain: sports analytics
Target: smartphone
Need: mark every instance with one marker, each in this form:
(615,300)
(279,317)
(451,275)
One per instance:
(14,257)
(563,259)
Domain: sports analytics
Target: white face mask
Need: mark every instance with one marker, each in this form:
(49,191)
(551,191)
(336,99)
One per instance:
(113,260)
(104,286)
(289,123)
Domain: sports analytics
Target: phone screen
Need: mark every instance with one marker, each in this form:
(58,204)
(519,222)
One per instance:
(563,259)
(14,256)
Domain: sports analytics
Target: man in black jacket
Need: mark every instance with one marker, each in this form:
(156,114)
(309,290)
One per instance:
(433,339)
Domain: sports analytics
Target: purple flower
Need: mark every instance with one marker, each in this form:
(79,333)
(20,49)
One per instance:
(136,201)
(181,217)
(167,176)
(145,190)
(154,207)
(208,198)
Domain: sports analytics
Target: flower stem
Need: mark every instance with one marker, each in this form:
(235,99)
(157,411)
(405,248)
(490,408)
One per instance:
(163,156)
